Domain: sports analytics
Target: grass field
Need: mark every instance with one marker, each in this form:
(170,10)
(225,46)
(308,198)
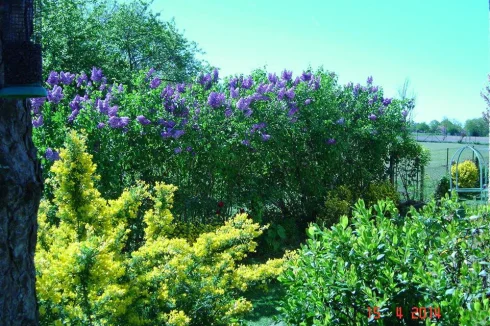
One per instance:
(441,154)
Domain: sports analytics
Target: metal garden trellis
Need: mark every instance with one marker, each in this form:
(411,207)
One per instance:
(483,189)
(21,49)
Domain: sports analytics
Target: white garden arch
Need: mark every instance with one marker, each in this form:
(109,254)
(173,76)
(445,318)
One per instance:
(483,168)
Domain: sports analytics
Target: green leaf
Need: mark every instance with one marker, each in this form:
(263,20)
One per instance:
(344,221)
(380,257)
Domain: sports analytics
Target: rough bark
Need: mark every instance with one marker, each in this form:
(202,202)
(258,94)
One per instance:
(20,194)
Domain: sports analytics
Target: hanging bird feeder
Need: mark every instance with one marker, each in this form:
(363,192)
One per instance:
(21,49)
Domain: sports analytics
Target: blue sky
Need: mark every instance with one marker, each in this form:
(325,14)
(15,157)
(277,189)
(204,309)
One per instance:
(441,46)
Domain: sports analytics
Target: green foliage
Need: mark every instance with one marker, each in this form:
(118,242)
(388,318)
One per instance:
(476,127)
(467,174)
(338,203)
(442,187)
(381,191)
(432,259)
(121,38)
(86,275)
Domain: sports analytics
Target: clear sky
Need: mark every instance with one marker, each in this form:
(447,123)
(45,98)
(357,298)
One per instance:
(441,46)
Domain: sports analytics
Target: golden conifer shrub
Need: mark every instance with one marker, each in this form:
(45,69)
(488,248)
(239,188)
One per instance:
(87,276)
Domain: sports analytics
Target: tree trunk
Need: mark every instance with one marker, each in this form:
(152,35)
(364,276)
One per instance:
(20,193)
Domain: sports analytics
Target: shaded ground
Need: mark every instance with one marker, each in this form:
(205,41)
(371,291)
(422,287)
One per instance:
(265,306)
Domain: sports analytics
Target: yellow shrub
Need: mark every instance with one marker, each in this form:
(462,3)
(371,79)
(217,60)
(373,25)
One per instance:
(467,174)
(85,276)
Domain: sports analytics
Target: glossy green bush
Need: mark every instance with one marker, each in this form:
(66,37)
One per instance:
(430,259)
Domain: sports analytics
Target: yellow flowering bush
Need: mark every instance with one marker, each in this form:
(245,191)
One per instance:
(467,174)
(88,275)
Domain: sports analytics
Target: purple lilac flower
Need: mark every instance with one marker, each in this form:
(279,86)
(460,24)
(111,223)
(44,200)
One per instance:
(370,80)
(52,155)
(124,122)
(331,141)
(293,110)
(176,134)
(262,88)
(155,82)
(405,113)
(96,75)
(370,101)
(73,115)
(66,78)
(228,112)
(272,78)
(112,111)
(247,82)
(178,150)
(150,73)
(38,122)
(372,117)
(234,92)
(257,126)
(287,75)
(281,84)
(341,121)
(375,98)
(373,89)
(281,93)
(82,79)
(53,78)
(270,88)
(114,122)
(247,112)
(215,75)
(120,88)
(296,82)
(307,101)
(306,76)
(265,137)
(356,89)
(55,95)
(381,110)
(181,88)
(100,125)
(386,101)
(243,103)
(167,92)
(260,97)
(143,120)
(293,120)
(204,79)
(75,103)
(233,82)
(246,142)
(290,93)
(315,83)
(36,104)
(215,100)
(189,149)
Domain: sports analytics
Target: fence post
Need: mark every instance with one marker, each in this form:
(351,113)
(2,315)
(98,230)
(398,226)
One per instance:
(422,172)
(447,160)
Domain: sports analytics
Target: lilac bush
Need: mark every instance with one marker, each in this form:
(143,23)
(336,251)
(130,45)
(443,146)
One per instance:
(280,139)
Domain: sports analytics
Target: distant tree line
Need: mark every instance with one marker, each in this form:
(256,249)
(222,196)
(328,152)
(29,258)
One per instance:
(477,127)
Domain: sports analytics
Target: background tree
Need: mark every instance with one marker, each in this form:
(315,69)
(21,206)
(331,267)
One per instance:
(120,38)
(477,127)
(434,126)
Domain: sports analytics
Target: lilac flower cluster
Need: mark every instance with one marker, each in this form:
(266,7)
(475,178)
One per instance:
(55,95)
(216,100)
(52,155)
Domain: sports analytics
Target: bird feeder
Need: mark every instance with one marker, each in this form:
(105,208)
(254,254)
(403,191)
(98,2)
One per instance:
(21,49)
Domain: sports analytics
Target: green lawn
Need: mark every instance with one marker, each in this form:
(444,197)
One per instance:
(437,166)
